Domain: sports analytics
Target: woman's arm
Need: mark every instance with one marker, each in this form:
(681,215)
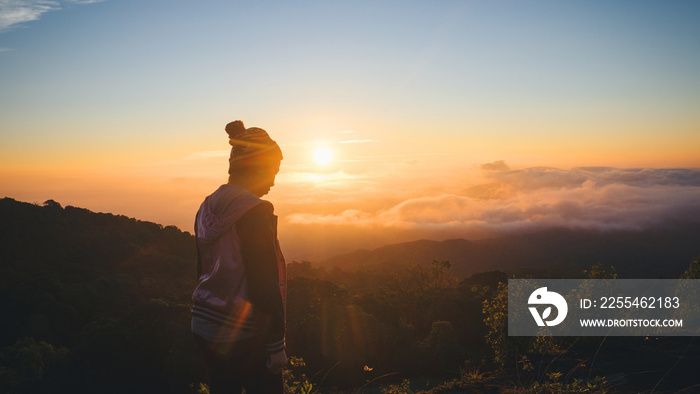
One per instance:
(259,252)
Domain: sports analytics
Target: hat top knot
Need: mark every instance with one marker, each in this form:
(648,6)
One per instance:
(235,129)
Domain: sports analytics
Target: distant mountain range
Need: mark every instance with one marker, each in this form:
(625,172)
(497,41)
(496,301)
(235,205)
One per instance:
(660,252)
(76,234)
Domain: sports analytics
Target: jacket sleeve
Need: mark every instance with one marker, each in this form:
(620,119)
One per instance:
(259,252)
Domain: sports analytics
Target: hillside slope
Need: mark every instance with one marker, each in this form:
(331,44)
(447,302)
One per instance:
(93,302)
(664,252)
(99,303)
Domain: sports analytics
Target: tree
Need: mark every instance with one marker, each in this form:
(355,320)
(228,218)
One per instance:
(24,364)
(693,271)
(51,204)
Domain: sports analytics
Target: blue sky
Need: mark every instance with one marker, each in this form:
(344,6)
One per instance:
(134,90)
(445,63)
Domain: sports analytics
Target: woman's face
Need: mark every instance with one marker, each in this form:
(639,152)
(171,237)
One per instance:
(264,180)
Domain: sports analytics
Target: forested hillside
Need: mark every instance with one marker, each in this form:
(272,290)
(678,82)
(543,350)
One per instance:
(93,302)
(99,303)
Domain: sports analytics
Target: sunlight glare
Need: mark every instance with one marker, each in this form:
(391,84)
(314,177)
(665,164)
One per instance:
(323,156)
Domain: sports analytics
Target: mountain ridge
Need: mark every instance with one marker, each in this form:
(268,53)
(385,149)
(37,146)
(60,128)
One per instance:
(663,251)
(657,252)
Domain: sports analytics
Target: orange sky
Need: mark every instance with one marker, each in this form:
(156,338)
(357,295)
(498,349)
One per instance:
(378,191)
(444,120)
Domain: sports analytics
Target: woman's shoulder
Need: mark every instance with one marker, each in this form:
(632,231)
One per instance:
(260,213)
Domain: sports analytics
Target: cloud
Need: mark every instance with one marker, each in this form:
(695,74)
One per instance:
(499,165)
(350,216)
(304,178)
(537,178)
(599,198)
(548,177)
(643,177)
(13,13)
(16,12)
(356,141)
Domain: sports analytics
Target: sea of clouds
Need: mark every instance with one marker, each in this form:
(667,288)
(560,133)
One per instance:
(602,198)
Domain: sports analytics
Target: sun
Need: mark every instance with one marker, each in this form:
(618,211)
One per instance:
(323,156)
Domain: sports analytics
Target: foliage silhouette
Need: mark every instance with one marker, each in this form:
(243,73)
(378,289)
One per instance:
(101,303)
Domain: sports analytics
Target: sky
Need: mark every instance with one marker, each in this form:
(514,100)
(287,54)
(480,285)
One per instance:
(438,119)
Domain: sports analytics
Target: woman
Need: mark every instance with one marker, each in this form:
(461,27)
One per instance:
(238,313)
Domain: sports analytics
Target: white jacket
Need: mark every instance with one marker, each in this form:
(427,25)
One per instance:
(225,307)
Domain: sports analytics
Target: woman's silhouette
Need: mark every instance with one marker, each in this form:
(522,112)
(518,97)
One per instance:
(238,313)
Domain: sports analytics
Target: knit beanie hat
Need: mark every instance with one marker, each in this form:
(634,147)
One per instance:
(251,147)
